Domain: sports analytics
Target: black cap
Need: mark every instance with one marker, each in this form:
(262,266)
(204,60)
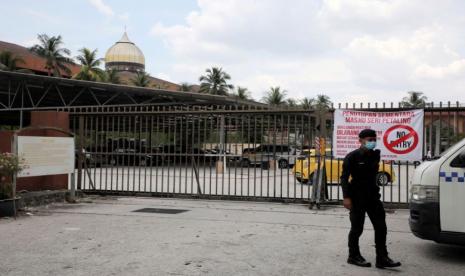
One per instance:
(367,133)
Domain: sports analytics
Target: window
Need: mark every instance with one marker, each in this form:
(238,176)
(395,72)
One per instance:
(459,160)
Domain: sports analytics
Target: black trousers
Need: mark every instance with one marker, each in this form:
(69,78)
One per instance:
(375,210)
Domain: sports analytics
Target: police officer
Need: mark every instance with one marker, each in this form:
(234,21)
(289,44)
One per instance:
(361,195)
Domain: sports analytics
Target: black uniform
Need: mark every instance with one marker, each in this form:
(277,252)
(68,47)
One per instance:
(362,165)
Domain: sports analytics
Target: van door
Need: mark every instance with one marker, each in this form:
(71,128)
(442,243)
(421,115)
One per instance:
(452,192)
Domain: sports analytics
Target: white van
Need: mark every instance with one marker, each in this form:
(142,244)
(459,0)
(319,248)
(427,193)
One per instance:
(437,206)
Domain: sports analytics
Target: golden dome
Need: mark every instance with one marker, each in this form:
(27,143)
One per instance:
(125,55)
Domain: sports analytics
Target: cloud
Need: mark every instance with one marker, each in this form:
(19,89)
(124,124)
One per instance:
(351,50)
(102,7)
(453,69)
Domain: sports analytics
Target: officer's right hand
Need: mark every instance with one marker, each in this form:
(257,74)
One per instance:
(347,203)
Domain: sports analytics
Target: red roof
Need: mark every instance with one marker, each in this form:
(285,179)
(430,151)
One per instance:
(32,61)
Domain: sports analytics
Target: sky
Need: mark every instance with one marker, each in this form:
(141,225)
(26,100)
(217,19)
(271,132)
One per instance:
(351,50)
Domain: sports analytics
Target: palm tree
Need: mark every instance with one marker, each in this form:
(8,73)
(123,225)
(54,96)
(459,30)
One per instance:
(141,79)
(414,99)
(242,93)
(291,102)
(321,105)
(185,87)
(215,82)
(307,103)
(56,59)
(9,62)
(322,102)
(90,70)
(275,96)
(111,76)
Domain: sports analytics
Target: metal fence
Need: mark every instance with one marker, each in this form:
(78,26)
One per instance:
(227,152)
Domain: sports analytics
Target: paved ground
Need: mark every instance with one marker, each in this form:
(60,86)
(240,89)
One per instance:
(235,181)
(105,237)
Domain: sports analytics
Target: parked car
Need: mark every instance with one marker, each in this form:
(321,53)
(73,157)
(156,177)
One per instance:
(129,152)
(306,165)
(284,154)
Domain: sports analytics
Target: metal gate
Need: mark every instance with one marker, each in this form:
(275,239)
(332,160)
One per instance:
(201,152)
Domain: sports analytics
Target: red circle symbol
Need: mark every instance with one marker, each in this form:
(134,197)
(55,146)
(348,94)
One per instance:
(390,145)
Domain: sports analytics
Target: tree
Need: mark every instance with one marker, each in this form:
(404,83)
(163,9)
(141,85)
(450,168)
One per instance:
(322,102)
(141,79)
(414,99)
(215,82)
(90,69)
(242,93)
(9,62)
(321,105)
(112,76)
(291,102)
(275,96)
(185,87)
(55,56)
(307,103)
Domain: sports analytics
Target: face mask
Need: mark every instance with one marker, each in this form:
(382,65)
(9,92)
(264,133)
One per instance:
(370,145)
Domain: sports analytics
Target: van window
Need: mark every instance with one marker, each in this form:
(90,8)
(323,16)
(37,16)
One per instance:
(459,160)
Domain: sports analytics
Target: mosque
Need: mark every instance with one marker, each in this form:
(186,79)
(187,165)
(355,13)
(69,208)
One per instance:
(124,57)
(128,60)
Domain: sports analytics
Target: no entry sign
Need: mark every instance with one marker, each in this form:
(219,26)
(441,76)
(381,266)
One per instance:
(400,139)
(400,133)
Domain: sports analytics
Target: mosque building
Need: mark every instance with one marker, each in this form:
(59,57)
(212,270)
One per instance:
(128,60)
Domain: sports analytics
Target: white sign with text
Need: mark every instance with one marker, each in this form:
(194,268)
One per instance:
(399,133)
(46,155)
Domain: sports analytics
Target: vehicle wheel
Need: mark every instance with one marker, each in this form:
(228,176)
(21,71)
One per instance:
(245,163)
(113,162)
(382,179)
(301,181)
(310,179)
(283,164)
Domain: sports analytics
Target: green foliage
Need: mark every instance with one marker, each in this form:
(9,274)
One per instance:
(141,79)
(185,87)
(322,102)
(242,93)
(90,66)
(307,103)
(111,76)
(215,82)
(9,61)
(414,99)
(55,56)
(275,96)
(10,164)
(291,102)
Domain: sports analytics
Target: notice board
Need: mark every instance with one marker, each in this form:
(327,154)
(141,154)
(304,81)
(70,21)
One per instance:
(46,155)
(399,133)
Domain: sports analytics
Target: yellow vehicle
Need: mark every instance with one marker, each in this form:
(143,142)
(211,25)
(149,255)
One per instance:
(306,164)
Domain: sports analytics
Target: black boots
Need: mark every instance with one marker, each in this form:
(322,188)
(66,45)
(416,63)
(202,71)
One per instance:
(381,261)
(386,262)
(358,260)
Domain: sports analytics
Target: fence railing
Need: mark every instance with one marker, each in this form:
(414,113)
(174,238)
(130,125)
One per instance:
(228,151)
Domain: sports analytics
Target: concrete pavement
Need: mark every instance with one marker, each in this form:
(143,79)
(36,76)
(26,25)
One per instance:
(103,236)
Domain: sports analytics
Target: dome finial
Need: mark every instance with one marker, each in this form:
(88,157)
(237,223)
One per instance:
(125,38)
